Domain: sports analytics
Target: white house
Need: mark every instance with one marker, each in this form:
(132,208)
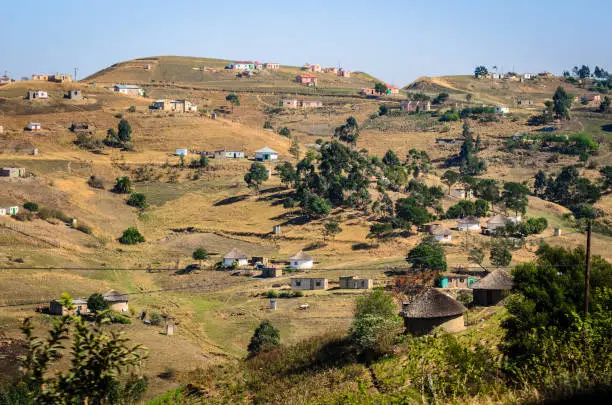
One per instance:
(497,221)
(514,219)
(13,210)
(501,109)
(30,95)
(181,152)
(34,126)
(440,233)
(468,224)
(301,260)
(129,89)
(229,154)
(266,154)
(460,193)
(272,66)
(528,76)
(235,255)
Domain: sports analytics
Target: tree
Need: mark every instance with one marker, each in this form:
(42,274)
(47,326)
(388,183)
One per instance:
(583,72)
(287,173)
(123,185)
(233,99)
(30,206)
(131,236)
(411,213)
(96,303)
(390,158)
(540,183)
(480,71)
(605,104)
(380,231)
(606,172)
(380,88)
(514,197)
(476,256)
(294,149)
(124,131)
(315,206)
(284,131)
(265,338)
(468,98)
(95,372)
(256,175)
(200,254)
(427,255)
(331,229)
(440,98)
(138,200)
(500,255)
(383,110)
(397,176)
(449,178)
(376,323)
(562,103)
(348,132)
(155,318)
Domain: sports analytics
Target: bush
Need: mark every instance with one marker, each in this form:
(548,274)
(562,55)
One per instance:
(267,125)
(96,303)
(96,182)
(272,294)
(123,185)
(131,236)
(284,131)
(138,200)
(84,228)
(155,318)
(119,318)
(265,338)
(449,116)
(23,216)
(30,206)
(132,109)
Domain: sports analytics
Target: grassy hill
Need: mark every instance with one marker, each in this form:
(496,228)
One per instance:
(206,73)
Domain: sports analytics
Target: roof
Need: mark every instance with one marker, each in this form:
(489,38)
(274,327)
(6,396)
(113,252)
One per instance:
(75,301)
(437,229)
(497,219)
(235,254)
(266,150)
(497,280)
(301,257)
(308,76)
(468,220)
(248,62)
(114,296)
(433,304)
(127,86)
(34,123)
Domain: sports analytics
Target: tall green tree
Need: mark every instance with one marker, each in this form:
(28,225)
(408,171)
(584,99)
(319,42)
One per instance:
(376,324)
(380,88)
(514,197)
(200,254)
(540,183)
(331,229)
(390,158)
(256,175)
(123,185)
(96,303)
(349,132)
(562,103)
(499,254)
(427,255)
(233,99)
(480,71)
(124,131)
(449,178)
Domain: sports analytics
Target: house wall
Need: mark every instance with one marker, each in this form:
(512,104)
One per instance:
(468,227)
(443,238)
(241,262)
(487,298)
(300,264)
(266,156)
(270,272)
(423,326)
(118,306)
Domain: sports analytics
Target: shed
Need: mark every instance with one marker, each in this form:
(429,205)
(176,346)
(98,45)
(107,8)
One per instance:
(229,154)
(492,288)
(271,272)
(301,260)
(451,280)
(116,301)
(74,94)
(80,307)
(309,283)
(235,255)
(12,172)
(31,95)
(356,283)
(432,310)
(468,224)
(266,154)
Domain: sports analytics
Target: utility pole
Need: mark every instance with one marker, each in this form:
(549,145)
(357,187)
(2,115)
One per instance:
(587,275)
(75,73)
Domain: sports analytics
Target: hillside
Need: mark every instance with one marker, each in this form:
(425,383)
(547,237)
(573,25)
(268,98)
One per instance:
(206,73)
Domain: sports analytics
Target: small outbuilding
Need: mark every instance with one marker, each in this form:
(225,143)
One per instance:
(468,224)
(235,255)
(80,307)
(181,152)
(433,310)
(301,260)
(271,272)
(492,288)
(74,94)
(440,233)
(116,301)
(309,283)
(266,154)
(34,94)
(451,280)
(229,154)
(356,283)
(34,126)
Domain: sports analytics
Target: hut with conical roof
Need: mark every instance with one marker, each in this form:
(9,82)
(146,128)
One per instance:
(432,310)
(116,301)
(492,288)
(237,256)
(301,260)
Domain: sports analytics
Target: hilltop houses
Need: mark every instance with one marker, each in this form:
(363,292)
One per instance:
(34,94)
(415,106)
(433,310)
(344,73)
(499,221)
(235,256)
(440,232)
(9,210)
(301,261)
(5,80)
(241,65)
(129,89)
(468,224)
(174,105)
(80,307)
(74,94)
(309,283)
(58,78)
(40,78)
(266,154)
(333,70)
(307,79)
(392,90)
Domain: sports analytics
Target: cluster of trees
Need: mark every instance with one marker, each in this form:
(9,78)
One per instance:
(568,188)
(557,108)
(440,98)
(467,159)
(120,138)
(584,72)
(532,226)
(348,132)
(574,145)
(467,208)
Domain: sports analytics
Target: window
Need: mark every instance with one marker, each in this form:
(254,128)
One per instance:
(298,283)
(318,283)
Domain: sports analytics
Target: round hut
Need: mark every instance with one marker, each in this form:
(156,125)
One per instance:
(492,288)
(116,301)
(432,310)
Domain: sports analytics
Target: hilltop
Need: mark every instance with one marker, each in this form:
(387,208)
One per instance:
(207,73)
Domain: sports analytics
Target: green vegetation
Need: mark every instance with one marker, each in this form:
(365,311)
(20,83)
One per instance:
(256,175)
(123,185)
(380,88)
(500,254)
(467,208)
(348,132)
(138,200)
(562,102)
(440,98)
(480,71)
(284,131)
(155,318)
(427,255)
(96,303)
(121,138)
(265,338)
(30,206)
(233,99)
(200,254)
(131,236)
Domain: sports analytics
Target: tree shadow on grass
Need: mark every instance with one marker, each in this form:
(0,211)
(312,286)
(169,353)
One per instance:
(301,220)
(231,200)
(362,246)
(607,127)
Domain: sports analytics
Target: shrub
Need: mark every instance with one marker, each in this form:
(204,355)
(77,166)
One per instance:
(96,182)
(23,216)
(132,109)
(84,228)
(119,115)
(119,318)
(131,236)
(123,185)
(284,131)
(155,318)
(96,303)
(267,125)
(272,294)
(138,200)
(30,206)
(265,338)
(449,116)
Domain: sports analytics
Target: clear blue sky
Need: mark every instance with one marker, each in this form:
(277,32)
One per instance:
(397,41)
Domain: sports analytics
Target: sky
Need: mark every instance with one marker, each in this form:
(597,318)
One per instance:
(396,41)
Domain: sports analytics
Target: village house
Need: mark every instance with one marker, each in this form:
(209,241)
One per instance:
(33,126)
(309,283)
(12,172)
(356,283)
(42,78)
(493,288)
(545,74)
(258,65)
(74,94)
(366,91)
(147,66)
(311,104)
(271,272)
(344,73)
(181,152)
(468,224)
(174,105)
(451,280)
(34,94)
(9,210)
(315,68)
(497,221)
(301,260)
(266,154)
(333,70)
(272,66)
(460,193)
(433,310)
(415,106)
(501,109)
(392,90)
(289,103)
(524,102)
(235,256)
(307,79)
(229,154)
(129,89)
(79,304)
(528,76)
(60,78)
(591,99)
(117,301)
(440,232)
(4,80)
(241,65)
(81,128)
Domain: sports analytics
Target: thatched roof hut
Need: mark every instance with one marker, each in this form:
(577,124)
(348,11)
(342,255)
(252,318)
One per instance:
(431,310)
(492,288)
